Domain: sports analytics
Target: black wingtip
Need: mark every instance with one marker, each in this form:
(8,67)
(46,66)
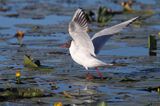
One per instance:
(134,19)
(80,18)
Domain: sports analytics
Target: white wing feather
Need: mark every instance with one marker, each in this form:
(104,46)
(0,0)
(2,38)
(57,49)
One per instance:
(77,30)
(100,38)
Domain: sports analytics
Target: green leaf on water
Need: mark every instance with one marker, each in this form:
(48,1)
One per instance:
(128,80)
(103,103)
(29,62)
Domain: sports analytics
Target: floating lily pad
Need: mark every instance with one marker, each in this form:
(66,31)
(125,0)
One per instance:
(35,65)
(140,12)
(28,62)
(128,80)
(66,94)
(102,104)
(156,89)
(15,93)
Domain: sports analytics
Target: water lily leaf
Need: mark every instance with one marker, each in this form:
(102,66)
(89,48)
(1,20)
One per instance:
(66,94)
(156,89)
(128,80)
(89,91)
(29,62)
(103,103)
(15,93)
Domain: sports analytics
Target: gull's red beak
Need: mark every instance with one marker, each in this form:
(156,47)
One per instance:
(65,45)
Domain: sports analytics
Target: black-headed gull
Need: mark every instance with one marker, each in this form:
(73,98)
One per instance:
(83,49)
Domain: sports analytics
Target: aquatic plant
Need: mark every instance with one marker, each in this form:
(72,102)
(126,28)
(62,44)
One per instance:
(103,16)
(19,35)
(127,6)
(58,104)
(18,75)
(28,61)
(152,45)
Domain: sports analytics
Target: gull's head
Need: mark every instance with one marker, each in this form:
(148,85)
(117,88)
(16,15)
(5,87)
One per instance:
(66,45)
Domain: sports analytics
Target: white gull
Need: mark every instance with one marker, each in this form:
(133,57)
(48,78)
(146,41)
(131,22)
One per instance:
(83,48)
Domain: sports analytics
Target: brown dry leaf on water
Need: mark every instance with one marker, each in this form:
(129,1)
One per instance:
(66,94)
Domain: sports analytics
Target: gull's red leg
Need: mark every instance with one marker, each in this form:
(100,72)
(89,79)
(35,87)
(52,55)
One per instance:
(99,73)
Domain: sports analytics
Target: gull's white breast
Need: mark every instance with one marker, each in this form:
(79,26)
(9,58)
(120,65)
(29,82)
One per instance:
(83,57)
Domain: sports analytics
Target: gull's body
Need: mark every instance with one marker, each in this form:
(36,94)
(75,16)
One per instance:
(84,57)
(83,49)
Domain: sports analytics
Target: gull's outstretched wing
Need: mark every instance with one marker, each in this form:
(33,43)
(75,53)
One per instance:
(100,38)
(78,31)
